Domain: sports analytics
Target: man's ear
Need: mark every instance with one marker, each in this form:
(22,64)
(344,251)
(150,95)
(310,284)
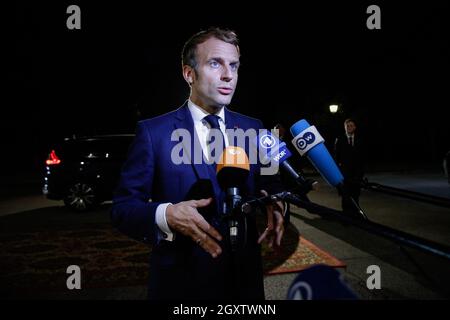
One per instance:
(188,74)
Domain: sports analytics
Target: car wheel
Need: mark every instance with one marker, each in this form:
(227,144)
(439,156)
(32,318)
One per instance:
(80,197)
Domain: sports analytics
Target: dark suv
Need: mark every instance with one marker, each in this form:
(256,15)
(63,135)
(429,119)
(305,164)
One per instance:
(84,171)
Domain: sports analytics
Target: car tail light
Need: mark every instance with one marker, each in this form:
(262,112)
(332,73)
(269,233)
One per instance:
(52,159)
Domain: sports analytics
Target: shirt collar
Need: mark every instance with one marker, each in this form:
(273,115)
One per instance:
(198,113)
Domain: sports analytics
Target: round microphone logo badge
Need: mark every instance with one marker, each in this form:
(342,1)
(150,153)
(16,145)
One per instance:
(267,141)
(303,142)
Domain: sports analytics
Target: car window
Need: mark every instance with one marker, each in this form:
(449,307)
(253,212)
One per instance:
(95,148)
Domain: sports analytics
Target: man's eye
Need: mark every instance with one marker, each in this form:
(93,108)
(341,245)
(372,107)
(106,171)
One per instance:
(214,64)
(234,67)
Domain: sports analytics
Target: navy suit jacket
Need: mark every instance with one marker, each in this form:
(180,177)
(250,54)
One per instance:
(181,269)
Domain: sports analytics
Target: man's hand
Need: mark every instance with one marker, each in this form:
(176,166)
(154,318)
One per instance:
(275,223)
(184,218)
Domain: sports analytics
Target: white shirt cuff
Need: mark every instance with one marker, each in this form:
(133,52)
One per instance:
(161,222)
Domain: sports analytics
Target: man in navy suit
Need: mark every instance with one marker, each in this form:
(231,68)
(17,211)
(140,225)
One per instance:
(176,207)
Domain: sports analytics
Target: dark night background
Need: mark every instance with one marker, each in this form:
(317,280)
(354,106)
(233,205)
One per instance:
(124,65)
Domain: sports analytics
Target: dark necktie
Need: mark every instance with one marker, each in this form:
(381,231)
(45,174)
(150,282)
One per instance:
(213,121)
(350,141)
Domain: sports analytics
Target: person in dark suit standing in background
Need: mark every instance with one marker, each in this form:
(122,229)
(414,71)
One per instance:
(349,154)
(155,202)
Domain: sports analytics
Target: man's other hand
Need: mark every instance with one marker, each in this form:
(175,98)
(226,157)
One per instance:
(275,223)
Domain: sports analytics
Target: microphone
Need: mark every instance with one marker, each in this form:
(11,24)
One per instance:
(273,150)
(308,141)
(233,170)
(320,282)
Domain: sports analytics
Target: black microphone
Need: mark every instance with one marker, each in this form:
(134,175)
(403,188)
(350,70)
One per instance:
(232,173)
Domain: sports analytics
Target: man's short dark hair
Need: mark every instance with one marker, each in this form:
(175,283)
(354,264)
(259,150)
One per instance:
(188,55)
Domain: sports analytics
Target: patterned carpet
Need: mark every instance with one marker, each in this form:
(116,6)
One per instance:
(34,262)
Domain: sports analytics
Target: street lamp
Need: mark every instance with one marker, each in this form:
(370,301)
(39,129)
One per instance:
(334,108)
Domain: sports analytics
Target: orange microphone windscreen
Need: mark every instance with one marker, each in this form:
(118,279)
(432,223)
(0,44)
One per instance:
(233,168)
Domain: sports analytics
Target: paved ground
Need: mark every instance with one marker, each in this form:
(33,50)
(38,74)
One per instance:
(405,274)
(401,277)
(433,183)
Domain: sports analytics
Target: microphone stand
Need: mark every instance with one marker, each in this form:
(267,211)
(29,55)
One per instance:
(231,213)
(394,235)
(343,191)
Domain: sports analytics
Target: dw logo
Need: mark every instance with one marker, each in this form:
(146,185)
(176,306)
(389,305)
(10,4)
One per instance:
(307,138)
(267,141)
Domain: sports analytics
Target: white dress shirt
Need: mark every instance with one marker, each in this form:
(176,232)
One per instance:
(202,129)
(352,136)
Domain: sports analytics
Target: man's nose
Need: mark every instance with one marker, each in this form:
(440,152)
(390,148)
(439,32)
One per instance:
(227,74)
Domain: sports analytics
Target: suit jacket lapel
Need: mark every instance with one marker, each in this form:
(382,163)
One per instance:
(233,123)
(185,122)
(202,170)
(230,120)
(230,124)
